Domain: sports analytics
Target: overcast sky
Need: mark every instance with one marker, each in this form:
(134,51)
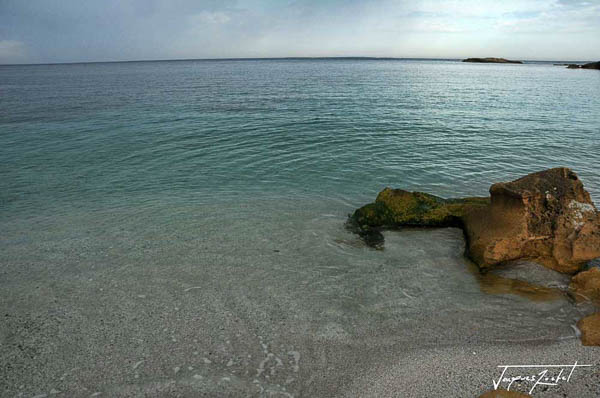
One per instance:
(33,31)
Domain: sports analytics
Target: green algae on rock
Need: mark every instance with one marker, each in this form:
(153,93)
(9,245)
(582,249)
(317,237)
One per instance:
(546,217)
(396,208)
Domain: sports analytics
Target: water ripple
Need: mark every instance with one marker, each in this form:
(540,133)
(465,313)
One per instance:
(109,133)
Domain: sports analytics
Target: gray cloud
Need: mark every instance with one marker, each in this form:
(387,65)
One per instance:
(80,30)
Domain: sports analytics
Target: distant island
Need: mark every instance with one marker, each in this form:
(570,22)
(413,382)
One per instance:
(591,65)
(492,60)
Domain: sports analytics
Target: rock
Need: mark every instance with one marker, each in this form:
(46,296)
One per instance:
(594,263)
(492,60)
(503,394)
(585,286)
(546,217)
(396,207)
(590,330)
(371,236)
(591,65)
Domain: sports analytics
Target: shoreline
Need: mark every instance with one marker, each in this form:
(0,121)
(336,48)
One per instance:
(154,309)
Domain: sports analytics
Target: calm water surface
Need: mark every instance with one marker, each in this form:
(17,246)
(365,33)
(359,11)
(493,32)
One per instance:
(93,135)
(181,224)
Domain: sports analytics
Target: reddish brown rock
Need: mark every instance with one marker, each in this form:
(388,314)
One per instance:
(590,330)
(585,286)
(546,217)
(504,394)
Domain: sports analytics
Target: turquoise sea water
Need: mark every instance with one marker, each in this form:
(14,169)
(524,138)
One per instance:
(178,227)
(94,135)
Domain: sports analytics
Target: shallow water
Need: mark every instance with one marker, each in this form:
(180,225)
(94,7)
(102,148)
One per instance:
(258,297)
(190,215)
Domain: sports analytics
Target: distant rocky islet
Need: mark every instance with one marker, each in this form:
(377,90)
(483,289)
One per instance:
(494,60)
(591,65)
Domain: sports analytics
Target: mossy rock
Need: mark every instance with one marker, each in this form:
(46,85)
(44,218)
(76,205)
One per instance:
(547,217)
(397,207)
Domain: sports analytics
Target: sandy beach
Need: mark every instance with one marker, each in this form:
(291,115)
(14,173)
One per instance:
(469,371)
(216,301)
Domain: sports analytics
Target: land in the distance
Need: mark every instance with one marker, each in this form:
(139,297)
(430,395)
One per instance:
(492,60)
(591,65)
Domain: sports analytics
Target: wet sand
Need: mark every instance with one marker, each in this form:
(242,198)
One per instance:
(269,299)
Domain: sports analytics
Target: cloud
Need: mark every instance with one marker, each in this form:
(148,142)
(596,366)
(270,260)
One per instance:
(212,17)
(75,30)
(567,17)
(12,51)
(477,8)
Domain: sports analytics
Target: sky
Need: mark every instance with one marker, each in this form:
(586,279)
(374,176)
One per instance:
(48,31)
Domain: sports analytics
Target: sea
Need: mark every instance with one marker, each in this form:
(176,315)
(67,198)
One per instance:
(186,220)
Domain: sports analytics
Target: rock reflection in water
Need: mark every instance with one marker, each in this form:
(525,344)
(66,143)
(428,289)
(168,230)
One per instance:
(491,283)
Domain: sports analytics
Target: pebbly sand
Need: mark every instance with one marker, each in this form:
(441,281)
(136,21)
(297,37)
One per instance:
(268,299)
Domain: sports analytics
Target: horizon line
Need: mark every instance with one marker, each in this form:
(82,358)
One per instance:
(358,58)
